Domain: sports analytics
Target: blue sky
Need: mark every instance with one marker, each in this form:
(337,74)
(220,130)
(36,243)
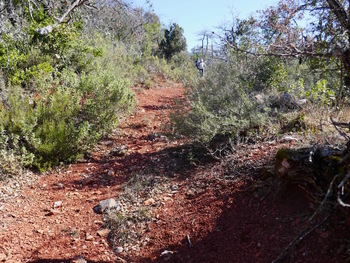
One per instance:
(195,16)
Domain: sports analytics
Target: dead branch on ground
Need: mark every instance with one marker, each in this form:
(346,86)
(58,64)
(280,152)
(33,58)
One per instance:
(341,125)
(323,203)
(301,236)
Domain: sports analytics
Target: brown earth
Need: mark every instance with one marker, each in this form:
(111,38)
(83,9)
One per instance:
(208,211)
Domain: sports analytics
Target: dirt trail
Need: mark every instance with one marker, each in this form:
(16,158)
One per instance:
(31,230)
(213,205)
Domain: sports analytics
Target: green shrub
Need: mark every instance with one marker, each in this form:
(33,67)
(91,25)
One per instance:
(63,91)
(105,98)
(66,115)
(220,106)
(16,125)
(321,93)
(13,157)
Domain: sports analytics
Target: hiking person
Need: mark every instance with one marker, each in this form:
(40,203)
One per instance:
(201,67)
(197,63)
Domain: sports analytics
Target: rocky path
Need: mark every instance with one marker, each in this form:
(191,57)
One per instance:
(177,208)
(52,219)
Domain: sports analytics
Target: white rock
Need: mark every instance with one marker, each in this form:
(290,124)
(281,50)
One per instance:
(78,259)
(3,257)
(105,205)
(57,204)
(149,201)
(166,254)
(89,237)
(289,139)
(103,232)
(119,249)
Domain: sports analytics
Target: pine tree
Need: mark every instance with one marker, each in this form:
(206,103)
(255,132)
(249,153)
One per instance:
(174,41)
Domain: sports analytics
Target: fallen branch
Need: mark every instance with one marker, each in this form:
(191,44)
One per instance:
(292,51)
(346,178)
(306,231)
(343,125)
(329,191)
(341,186)
(300,237)
(189,241)
(340,201)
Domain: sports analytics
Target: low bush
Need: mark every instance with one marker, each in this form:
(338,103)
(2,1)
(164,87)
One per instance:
(66,114)
(220,106)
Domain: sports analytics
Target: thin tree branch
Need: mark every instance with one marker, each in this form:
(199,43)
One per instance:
(30,9)
(339,12)
(300,237)
(329,191)
(341,124)
(48,29)
(346,178)
(341,202)
(76,4)
(294,51)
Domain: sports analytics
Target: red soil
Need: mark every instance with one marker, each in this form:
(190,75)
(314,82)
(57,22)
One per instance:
(226,218)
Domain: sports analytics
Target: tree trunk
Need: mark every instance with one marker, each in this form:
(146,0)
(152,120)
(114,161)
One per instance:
(345,59)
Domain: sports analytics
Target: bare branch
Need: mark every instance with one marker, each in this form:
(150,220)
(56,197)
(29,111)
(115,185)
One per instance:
(30,9)
(341,124)
(292,51)
(48,29)
(321,206)
(342,183)
(341,202)
(339,12)
(76,4)
(300,237)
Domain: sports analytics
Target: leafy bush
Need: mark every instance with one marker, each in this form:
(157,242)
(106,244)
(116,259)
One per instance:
(66,114)
(321,94)
(220,106)
(13,156)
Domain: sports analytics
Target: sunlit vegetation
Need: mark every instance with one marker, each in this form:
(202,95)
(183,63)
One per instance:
(67,72)
(271,74)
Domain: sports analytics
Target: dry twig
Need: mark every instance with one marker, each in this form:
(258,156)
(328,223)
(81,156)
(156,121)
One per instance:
(300,237)
(320,207)
(343,125)
(341,202)
(189,241)
(309,229)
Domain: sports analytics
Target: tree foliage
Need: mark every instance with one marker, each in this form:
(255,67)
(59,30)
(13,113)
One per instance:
(174,41)
(317,30)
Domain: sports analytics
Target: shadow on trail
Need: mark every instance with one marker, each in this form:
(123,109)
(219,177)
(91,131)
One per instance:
(117,170)
(246,226)
(62,261)
(243,232)
(168,162)
(249,228)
